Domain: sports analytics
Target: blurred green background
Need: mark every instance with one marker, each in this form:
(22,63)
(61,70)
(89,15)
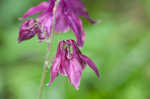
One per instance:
(119,45)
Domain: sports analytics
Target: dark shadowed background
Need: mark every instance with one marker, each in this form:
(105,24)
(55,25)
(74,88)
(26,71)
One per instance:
(119,45)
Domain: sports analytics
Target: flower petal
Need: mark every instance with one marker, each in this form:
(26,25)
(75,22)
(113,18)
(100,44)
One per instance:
(75,49)
(51,6)
(28,30)
(54,69)
(90,63)
(76,25)
(61,24)
(79,8)
(85,14)
(45,21)
(42,7)
(64,61)
(74,72)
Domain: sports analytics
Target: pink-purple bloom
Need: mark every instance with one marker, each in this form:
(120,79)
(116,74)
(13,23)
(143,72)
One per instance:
(67,16)
(43,21)
(71,62)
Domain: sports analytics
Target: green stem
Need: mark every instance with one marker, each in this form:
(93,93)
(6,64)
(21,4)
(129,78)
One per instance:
(48,52)
(44,70)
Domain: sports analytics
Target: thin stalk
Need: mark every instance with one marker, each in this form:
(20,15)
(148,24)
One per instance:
(48,52)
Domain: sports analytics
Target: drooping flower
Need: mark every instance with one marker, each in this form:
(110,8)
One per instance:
(71,62)
(28,29)
(43,23)
(66,17)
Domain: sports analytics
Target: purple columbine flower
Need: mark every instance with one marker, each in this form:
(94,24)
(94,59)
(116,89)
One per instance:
(71,62)
(66,17)
(43,23)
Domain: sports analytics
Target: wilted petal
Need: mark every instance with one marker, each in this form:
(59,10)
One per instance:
(74,72)
(42,7)
(27,30)
(76,26)
(90,63)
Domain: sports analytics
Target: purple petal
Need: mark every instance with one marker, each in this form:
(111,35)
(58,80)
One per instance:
(75,49)
(74,72)
(74,4)
(28,30)
(90,63)
(51,6)
(42,7)
(56,66)
(76,26)
(61,24)
(85,14)
(63,67)
(64,61)
(45,21)
(59,49)
(54,69)
(79,8)
(62,70)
